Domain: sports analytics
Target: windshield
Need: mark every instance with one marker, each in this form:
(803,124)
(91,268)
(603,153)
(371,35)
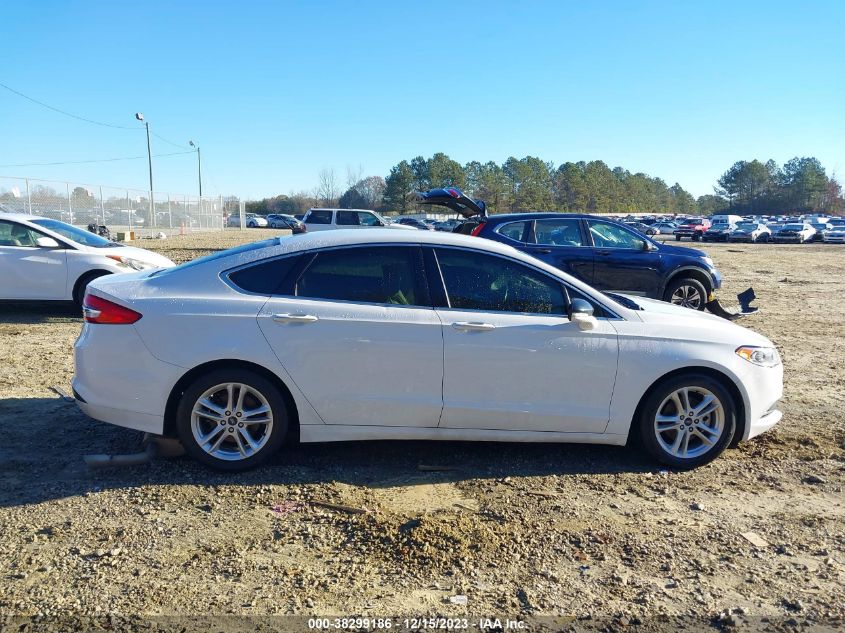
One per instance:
(747,225)
(80,236)
(243,248)
(794,227)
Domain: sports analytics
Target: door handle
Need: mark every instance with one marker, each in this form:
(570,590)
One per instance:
(294,318)
(544,251)
(473,326)
(605,253)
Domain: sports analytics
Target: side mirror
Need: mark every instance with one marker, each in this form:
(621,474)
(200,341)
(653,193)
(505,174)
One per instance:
(648,246)
(581,313)
(46,242)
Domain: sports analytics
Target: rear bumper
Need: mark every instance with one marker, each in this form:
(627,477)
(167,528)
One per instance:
(117,380)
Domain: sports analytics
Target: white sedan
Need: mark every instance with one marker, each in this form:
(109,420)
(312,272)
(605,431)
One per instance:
(373,334)
(47,260)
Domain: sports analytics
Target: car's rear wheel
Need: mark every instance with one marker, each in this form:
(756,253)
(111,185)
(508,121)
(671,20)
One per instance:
(232,419)
(677,238)
(686,292)
(688,421)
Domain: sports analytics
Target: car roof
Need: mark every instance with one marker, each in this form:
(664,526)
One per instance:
(381,235)
(538,215)
(24,217)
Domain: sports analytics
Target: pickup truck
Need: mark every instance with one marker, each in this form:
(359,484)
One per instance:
(693,228)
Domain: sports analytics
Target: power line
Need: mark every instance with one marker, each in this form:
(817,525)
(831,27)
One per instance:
(73,116)
(98,160)
(160,137)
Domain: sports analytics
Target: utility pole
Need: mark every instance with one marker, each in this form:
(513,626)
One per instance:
(140,117)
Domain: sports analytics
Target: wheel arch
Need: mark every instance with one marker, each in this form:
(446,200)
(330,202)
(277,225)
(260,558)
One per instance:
(188,377)
(87,276)
(695,272)
(723,378)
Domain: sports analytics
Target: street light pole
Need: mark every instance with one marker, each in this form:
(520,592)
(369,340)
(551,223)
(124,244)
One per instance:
(140,117)
(199,165)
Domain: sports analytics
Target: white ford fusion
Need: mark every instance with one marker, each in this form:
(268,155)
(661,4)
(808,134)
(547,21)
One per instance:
(43,259)
(373,334)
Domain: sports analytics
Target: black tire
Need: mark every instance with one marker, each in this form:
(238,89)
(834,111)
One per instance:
(696,237)
(203,383)
(82,284)
(648,434)
(689,283)
(677,238)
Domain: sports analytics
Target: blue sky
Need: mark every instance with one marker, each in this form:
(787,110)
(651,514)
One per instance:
(274,92)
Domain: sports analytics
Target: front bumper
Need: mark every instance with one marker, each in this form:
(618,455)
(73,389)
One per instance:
(764,389)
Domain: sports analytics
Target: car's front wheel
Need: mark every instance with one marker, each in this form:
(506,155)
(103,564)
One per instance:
(686,292)
(231,419)
(687,421)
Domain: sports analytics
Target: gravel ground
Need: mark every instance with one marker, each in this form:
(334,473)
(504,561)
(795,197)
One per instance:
(595,533)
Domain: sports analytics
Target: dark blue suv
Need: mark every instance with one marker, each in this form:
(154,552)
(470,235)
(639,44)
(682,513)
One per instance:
(603,253)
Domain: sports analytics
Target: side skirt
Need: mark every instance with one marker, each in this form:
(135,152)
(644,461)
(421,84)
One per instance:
(345,433)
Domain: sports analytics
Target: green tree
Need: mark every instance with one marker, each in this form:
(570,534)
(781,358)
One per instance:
(444,172)
(399,183)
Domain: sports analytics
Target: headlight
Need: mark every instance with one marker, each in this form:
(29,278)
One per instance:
(134,264)
(763,356)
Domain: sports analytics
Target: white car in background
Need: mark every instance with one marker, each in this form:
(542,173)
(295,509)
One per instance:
(42,259)
(327,219)
(424,335)
(834,235)
(750,231)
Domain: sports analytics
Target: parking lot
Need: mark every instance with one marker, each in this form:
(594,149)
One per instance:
(568,530)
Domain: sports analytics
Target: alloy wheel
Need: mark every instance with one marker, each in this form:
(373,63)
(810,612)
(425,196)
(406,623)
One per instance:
(231,421)
(687,296)
(689,422)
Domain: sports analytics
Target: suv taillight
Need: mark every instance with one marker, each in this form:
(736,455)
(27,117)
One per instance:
(477,229)
(98,310)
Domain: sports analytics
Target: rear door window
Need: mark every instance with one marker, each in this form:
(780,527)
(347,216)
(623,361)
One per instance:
(348,218)
(558,232)
(319,217)
(381,274)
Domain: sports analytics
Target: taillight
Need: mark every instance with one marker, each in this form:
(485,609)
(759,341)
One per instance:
(98,310)
(477,229)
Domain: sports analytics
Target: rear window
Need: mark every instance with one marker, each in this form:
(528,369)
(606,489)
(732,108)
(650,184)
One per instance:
(243,248)
(366,275)
(558,232)
(318,217)
(264,277)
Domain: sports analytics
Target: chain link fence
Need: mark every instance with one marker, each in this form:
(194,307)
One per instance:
(121,209)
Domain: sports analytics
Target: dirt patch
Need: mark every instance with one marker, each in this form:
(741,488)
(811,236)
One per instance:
(597,532)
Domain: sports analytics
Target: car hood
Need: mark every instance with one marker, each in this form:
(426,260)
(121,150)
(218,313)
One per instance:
(402,226)
(668,249)
(133,252)
(690,324)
